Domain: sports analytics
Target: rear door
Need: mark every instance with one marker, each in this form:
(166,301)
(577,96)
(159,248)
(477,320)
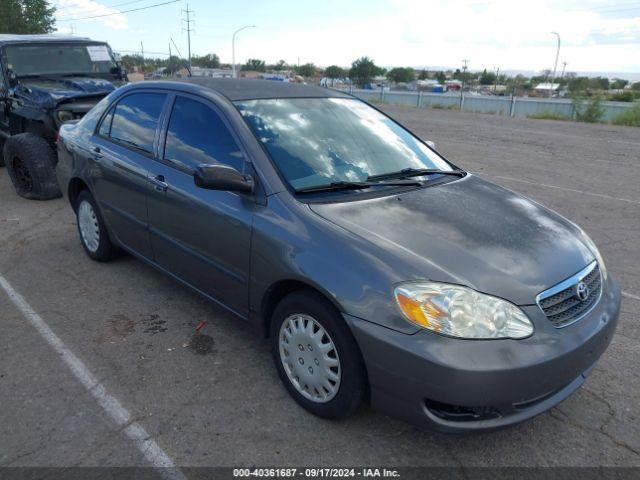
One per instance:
(201,236)
(119,165)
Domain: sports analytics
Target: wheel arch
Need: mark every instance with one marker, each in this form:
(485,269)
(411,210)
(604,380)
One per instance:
(76,185)
(279,290)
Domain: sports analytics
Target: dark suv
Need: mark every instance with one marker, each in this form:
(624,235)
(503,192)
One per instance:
(46,80)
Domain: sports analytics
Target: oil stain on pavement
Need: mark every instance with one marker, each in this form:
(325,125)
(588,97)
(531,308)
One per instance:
(153,324)
(202,344)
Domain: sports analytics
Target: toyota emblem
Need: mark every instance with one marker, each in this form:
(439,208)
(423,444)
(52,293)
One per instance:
(582,291)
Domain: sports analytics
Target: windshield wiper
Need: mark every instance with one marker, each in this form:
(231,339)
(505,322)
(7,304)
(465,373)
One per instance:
(345,185)
(79,74)
(415,172)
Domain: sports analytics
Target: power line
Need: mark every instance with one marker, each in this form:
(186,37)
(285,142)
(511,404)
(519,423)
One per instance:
(101,8)
(118,13)
(188,30)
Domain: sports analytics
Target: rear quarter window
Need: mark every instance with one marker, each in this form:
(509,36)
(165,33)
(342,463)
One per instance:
(135,120)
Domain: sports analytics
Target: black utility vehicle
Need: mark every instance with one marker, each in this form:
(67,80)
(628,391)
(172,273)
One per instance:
(46,80)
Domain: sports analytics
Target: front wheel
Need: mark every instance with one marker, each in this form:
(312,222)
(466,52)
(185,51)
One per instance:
(92,229)
(317,357)
(30,162)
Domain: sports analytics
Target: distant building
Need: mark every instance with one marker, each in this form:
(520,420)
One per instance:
(547,87)
(453,85)
(211,72)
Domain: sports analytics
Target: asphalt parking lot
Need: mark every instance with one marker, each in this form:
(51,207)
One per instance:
(214,399)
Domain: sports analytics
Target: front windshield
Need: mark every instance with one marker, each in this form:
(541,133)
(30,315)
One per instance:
(318,141)
(58,59)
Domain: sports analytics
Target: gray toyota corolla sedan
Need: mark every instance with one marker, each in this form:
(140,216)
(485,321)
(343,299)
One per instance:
(379,270)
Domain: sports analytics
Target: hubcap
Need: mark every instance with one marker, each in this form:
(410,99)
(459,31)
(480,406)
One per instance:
(89,228)
(22,175)
(309,358)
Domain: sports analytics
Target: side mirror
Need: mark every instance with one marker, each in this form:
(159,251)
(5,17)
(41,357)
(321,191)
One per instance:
(13,78)
(222,177)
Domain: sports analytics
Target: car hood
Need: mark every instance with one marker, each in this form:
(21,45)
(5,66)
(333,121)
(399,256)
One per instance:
(469,232)
(50,91)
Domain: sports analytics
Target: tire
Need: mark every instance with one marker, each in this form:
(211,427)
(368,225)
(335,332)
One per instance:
(30,161)
(311,312)
(92,230)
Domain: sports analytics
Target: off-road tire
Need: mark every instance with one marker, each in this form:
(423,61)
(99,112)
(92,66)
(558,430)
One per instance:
(30,161)
(353,384)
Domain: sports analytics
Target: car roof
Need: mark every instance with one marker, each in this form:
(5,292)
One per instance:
(248,89)
(12,38)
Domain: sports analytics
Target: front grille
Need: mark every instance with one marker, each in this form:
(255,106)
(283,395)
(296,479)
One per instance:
(562,305)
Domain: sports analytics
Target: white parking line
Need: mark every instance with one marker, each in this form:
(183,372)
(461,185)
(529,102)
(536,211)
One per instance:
(601,195)
(628,295)
(120,415)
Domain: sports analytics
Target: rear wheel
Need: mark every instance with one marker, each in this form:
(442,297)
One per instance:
(92,229)
(30,161)
(317,357)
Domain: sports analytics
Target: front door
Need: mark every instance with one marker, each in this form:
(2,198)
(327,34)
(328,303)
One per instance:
(201,236)
(119,167)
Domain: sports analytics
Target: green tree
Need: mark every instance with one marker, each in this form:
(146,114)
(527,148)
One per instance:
(590,111)
(210,60)
(636,87)
(306,70)
(172,64)
(487,78)
(423,74)
(26,16)
(619,83)
(578,84)
(255,65)
(441,77)
(279,67)
(401,75)
(363,70)
(130,61)
(334,71)
(599,83)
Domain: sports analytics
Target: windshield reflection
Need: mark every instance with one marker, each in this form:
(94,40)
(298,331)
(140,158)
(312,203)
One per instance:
(318,141)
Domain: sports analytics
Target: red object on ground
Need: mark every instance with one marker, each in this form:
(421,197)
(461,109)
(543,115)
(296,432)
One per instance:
(200,325)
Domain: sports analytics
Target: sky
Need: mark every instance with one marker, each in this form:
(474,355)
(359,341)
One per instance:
(596,35)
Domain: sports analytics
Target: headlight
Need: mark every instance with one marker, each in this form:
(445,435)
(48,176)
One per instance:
(461,312)
(65,115)
(596,253)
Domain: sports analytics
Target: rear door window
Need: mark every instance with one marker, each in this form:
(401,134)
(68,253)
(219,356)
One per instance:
(135,120)
(197,135)
(105,126)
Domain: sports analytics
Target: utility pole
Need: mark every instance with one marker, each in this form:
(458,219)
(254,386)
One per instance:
(233,48)
(564,67)
(178,50)
(142,54)
(464,77)
(169,61)
(188,30)
(495,84)
(555,65)
(464,72)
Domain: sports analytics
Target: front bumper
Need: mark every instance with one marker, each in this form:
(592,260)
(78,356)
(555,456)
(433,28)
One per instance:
(459,385)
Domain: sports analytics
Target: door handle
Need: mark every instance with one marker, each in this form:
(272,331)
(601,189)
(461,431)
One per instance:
(96,153)
(158,183)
